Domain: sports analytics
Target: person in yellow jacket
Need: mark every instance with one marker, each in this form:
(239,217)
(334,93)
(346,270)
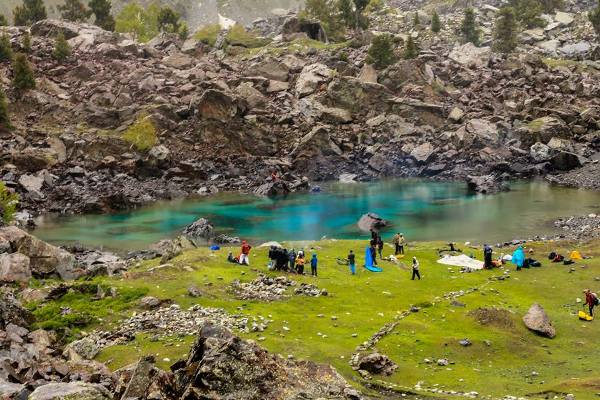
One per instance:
(300,265)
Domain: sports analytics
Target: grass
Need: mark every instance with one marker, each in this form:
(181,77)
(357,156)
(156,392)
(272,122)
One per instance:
(238,36)
(208,34)
(142,133)
(501,360)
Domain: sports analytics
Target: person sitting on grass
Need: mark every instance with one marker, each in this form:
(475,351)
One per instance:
(352,262)
(591,300)
(415,269)
(313,265)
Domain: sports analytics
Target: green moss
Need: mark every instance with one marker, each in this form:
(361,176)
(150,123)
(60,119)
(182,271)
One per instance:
(536,125)
(142,133)
(208,34)
(557,62)
(238,36)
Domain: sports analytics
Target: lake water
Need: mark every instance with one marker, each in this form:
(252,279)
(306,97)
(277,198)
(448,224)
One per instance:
(422,210)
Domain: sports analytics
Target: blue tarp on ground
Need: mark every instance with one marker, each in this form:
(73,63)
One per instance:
(369,262)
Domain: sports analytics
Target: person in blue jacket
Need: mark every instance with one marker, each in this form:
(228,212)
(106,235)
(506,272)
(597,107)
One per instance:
(518,258)
(313,264)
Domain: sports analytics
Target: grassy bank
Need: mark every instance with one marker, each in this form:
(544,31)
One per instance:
(504,358)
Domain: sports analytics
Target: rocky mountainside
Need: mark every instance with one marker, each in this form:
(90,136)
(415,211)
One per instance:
(121,124)
(195,13)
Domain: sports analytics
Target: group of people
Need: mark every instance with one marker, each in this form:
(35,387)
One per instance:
(292,261)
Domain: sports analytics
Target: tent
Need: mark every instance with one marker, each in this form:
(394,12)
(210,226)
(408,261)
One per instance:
(575,255)
(463,261)
(369,262)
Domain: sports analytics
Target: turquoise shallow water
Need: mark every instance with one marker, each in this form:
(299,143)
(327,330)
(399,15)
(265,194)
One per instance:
(421,210)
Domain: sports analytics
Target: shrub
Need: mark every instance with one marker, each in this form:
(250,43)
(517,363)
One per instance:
(208,34)
(142,133)
(8,204)
(4,118)
(26,43)
(416,22)
(3,20)
(528,12)
(410,49)
(374,6)
(23,78)
(168,20)
(62,50)
(505,30)
(238,36)
(101,11)
(381,53)
(141,23)
(469,28)
(594,17)
(436,25)
(184,31)
(6,53)
(29,12)
(74,10)
(327,12)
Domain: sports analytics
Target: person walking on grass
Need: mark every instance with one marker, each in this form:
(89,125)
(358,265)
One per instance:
(415,269)
(380,247)
(396,242)
(313,265)
(591,300)
(352,262)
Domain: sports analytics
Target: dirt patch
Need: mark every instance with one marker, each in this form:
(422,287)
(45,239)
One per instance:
(497,317)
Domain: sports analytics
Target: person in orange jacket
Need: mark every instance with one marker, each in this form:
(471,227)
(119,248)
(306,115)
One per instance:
(245,256)
(591,300)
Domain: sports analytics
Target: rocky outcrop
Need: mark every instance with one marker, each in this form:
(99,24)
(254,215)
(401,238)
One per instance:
(29,256)
(70,390)
(487,184)
(376,363)
(538,321)
(221,364)
(371,221)
(200,228)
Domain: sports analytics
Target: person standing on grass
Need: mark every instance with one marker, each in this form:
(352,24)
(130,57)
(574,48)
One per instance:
(352,262)
(487,257)
(415,269)
(313,265)
(380,247)
(292,259)
(591,300)
(300,265)
(401,244)
(245,256)
(373,251)
(396,242)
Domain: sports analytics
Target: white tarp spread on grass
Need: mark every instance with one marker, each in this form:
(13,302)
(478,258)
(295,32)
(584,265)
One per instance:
(462,261)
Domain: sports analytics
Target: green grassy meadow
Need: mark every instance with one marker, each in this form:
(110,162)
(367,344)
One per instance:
(504,358)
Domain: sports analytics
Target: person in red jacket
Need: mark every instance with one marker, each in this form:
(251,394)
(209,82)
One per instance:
(245,256)
(591,300)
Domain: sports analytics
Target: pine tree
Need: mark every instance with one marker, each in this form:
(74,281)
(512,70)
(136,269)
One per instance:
(29,12)
(22,74)
(528,12)
(381,51)
(594,17)
(8,204)
(347,13)
(6,52)
(168,20)
(62,50)
(74,10)
(505,30)
(416,21)
(436,25)
(101,10)
(469,28)
(327,13)
(184,31)
(4,118)
(26,43)
(3,20)
(359,9)
(410,49)
(549,6)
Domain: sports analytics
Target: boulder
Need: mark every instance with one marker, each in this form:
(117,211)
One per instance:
(316,143)
(221,365)
(311,77)
(456,114)
(484,131)
(14,268)
(423,153)
(150,302)
(32,184)
(470,56)
(70,391)
(178,61)
(11,311)
(565,161)
(544,129)
(376,363)
(575,50)
(253,97)
(201,228)
(86,349)
(368,74)
(486,184)
(270,68)
(44,259)
(371,221)
(217,105)
(538,321)
(540,152)
(270,189)
(563,18)
(10,391)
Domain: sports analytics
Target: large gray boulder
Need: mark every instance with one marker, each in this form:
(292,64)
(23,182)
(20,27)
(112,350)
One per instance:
(538,321)
(311,77)
(371,221)
(70,391)
(14,268)
(544,129)
(471,56)
(201,228)
(270,68)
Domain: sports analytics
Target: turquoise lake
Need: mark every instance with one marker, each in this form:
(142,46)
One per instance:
(422,210)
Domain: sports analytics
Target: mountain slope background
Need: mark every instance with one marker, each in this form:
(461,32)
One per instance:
(195,12)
